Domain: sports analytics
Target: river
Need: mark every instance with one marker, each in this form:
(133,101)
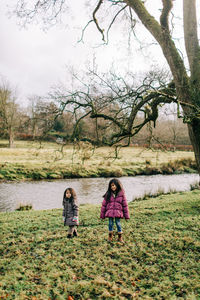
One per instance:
(49,194)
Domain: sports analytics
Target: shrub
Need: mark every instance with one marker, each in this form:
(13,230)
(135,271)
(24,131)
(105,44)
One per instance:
(22,207)
(38,175)
(54,175)
(194,186)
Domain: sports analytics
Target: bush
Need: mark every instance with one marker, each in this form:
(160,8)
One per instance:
(22,207)
(54,175)
(38,175)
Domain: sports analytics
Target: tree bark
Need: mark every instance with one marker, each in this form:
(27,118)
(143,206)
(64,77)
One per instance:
(194,133)
(191,39)
(193,54)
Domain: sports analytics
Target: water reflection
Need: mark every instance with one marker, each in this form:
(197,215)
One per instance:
(49,194)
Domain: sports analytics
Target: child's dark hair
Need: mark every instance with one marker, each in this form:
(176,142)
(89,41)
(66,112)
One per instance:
(109,191)
(72,192)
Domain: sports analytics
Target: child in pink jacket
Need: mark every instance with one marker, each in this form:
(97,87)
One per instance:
(114,207)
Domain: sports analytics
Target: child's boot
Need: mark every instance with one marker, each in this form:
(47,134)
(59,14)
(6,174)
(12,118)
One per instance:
(120,238)
(110,236)
(69,236)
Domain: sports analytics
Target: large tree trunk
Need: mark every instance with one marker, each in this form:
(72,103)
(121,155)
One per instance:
(193,54)
(191,40)
(194,133)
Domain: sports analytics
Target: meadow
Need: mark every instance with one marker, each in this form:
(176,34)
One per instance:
(35,161)
(159,260)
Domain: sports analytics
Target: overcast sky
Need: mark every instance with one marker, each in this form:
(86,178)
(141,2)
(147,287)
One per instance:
(33,60)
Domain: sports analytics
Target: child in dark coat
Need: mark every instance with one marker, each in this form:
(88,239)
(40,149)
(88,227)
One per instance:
(70,211)
(114,207)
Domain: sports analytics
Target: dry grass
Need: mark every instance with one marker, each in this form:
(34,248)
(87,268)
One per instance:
(31,154)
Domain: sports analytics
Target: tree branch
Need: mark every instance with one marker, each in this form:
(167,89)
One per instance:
(96,21)
(167,6)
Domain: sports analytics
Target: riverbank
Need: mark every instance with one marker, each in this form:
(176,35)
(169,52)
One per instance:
(32,161)
(158,261)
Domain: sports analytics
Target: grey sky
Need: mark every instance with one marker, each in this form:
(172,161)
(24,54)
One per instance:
(34,60)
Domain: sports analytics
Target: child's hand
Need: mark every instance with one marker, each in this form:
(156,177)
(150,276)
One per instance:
(75,219)
(63,219)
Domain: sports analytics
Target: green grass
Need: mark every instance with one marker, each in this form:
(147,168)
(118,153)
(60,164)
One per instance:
(29,161)
(160,259)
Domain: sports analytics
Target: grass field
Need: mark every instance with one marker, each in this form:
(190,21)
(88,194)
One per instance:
(160,259)
(30,160)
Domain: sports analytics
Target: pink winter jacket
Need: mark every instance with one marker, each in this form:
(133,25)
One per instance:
(116,207)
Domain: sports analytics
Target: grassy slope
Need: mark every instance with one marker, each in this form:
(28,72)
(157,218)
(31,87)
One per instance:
(160,259)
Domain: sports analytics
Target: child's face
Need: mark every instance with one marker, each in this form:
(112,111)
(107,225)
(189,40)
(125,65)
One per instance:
(68,194)
(113,187)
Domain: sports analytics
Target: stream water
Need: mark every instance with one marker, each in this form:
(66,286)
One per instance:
(49,194)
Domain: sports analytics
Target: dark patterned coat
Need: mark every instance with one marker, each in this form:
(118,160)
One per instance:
(70,210)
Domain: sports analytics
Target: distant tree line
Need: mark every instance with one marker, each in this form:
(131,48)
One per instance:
(44,120)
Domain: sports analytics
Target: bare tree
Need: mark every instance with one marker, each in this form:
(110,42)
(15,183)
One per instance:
(42,116)
(9,112)
(118,102)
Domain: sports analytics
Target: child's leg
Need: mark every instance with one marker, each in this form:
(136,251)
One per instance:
(75,233)
(110,228)
(119,230)
(118,224)
(110,225)
(70,231)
